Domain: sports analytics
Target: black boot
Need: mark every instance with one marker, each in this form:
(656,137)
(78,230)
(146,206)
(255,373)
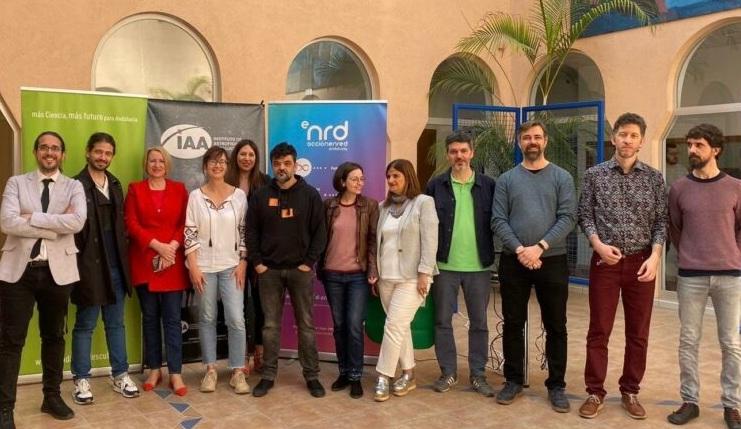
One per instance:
(685,413)
(55,406)
(356,389)
(341,383)
(6,419)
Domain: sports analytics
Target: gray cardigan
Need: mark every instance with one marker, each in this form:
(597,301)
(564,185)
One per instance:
(417,238)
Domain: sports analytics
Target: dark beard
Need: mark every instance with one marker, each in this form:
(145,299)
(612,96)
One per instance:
(697,163)
(533,155)
(283,178)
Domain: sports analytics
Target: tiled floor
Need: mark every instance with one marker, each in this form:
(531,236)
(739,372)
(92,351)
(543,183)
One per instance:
(289,404)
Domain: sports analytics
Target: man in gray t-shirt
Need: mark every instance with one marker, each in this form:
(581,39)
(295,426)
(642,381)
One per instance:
(534,211)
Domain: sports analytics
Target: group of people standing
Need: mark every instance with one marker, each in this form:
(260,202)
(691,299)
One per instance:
(242,229)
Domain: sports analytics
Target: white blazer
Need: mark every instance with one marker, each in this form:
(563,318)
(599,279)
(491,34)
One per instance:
(416,238)
(57,226)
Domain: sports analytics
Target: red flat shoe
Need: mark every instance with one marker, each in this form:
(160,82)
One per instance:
(181,391)
(149,386)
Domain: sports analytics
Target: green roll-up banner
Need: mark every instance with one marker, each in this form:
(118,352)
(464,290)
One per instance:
(75,115)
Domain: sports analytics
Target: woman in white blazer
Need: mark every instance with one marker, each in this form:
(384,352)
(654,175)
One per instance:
(407,245)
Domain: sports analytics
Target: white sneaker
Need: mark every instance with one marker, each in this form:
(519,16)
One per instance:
(239,383)
(82,394)
(124,385)
(208,384)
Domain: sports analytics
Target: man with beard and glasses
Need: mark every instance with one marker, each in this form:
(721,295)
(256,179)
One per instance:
(622,211)
(463,199)
(104,277)
(705,227)
(286,234)
(533,213)
(40,212)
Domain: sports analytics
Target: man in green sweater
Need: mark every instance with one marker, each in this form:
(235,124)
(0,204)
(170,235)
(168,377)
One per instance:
(534,211)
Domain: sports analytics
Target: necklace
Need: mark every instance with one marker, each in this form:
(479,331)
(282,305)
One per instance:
(101,187)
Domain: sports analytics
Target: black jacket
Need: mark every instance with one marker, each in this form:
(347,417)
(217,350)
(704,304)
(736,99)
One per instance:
(94,287)
(285,227)
(440,188)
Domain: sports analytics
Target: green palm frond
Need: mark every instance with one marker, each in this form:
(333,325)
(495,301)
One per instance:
(553,17)
(462,75)
(498,29)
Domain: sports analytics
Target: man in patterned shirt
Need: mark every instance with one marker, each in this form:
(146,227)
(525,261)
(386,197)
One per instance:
(622,210)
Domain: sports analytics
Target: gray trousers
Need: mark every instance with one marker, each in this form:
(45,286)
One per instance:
(725,292)
(273,286)
(476,291)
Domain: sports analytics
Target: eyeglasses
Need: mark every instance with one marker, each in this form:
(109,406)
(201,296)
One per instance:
(214,162)
(356,179)
(47,148)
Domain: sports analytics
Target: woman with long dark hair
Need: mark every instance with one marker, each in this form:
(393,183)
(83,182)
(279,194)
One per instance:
(244,173)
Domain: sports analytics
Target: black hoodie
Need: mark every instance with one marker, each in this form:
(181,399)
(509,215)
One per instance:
(285,227)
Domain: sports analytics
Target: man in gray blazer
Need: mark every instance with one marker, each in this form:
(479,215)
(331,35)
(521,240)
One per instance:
(40,213)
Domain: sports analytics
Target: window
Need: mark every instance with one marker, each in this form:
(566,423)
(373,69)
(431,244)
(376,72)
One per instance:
(155,55)
(578,79)
(457,73)
(328,70)
(708,91)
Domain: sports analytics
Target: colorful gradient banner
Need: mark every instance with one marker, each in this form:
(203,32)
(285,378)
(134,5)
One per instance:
(325,135)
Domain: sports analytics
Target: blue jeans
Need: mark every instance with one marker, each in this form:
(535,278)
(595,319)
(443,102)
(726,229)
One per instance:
(115,334)
(693,293)
(222,284)
(161,308)
(348,298)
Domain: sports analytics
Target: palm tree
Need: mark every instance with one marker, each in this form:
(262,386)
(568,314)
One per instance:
(545,38)
(548,35)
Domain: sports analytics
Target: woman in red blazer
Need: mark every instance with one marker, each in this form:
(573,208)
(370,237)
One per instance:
(155,219)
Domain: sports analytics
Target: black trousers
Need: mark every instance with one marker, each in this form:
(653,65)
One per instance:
(17,300)
(551,283)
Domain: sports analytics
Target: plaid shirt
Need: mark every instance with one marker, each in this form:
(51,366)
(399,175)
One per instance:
(628,211)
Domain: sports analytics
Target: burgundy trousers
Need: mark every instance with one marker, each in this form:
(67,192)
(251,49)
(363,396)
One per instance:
(606,284)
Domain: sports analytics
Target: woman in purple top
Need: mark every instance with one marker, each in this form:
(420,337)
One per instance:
(348,268)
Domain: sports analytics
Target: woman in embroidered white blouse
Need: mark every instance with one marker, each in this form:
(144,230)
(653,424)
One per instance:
(216,258)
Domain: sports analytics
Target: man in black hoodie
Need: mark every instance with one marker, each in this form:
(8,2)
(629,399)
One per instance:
(286,234)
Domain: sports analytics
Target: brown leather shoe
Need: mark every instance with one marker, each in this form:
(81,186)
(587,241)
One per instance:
(591,407)
(633,407)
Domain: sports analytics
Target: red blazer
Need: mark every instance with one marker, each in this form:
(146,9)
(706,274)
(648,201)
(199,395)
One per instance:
(144,223)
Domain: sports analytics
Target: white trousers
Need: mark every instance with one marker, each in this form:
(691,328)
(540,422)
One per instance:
(400,300)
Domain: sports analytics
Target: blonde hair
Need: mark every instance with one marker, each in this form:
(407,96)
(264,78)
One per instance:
(162,151)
